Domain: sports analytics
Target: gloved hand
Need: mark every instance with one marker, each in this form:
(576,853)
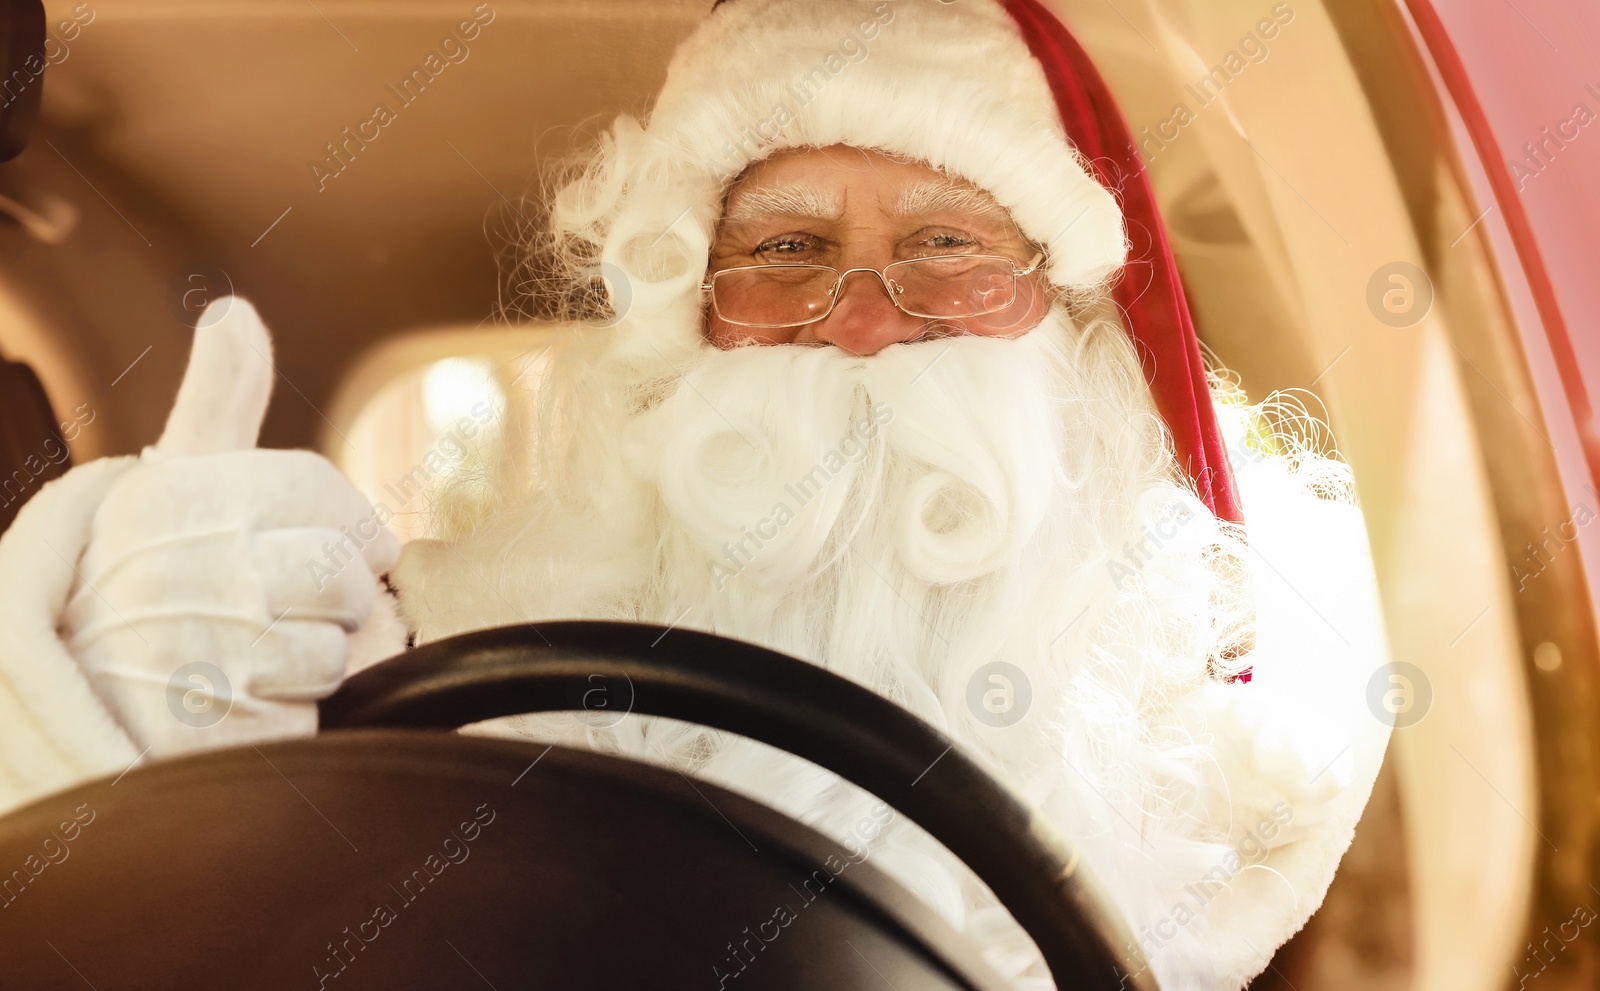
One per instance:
(221,582)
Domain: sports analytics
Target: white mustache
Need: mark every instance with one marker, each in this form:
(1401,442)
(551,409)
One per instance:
(772,459)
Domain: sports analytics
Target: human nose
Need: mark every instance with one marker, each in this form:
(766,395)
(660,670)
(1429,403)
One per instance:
(865,320)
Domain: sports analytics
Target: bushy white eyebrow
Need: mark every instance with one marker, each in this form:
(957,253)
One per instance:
(948,196)
(802,201)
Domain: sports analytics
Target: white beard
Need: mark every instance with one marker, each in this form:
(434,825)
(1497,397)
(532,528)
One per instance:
(903,520)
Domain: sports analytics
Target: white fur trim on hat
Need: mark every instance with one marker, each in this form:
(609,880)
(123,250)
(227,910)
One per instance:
(950,84)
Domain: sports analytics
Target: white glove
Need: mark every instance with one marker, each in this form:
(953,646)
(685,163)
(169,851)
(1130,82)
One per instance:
(221,583)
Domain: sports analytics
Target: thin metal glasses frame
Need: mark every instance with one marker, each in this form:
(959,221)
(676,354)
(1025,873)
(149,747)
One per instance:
(891,287)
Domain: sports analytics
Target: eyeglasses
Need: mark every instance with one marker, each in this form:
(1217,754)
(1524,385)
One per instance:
(936,287)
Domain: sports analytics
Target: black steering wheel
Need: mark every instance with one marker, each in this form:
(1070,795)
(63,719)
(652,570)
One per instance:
(500,863)
(787,703)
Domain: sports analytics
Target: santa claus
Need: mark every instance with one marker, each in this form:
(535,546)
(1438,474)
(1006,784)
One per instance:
(862,393)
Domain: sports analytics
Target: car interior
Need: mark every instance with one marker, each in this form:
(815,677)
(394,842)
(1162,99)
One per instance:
(183,150)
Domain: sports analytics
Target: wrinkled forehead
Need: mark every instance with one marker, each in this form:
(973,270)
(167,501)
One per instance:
(824,184)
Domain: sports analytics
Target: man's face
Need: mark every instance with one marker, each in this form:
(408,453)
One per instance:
(851,208)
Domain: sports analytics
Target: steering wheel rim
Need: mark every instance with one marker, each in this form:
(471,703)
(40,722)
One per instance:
(784,702)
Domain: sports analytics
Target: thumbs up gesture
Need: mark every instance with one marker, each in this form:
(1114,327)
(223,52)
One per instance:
(199,617)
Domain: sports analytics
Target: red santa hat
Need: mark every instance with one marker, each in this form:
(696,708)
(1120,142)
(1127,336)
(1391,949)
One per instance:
(994,91)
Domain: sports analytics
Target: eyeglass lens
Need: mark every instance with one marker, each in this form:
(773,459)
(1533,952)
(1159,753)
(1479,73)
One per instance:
(936,287)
